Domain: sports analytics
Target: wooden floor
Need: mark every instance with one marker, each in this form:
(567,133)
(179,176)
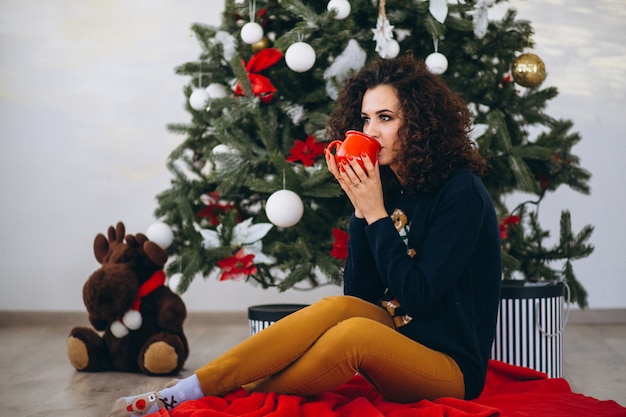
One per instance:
(36,379)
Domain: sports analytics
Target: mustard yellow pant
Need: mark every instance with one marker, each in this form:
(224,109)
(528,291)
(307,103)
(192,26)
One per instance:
(323,345)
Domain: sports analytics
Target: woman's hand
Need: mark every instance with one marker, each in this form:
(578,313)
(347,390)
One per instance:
(362,186)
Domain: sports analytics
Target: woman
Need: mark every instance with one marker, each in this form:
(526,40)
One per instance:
(424,237)
(422,276)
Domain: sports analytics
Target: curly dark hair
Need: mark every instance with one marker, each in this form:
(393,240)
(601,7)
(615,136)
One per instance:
(434,135)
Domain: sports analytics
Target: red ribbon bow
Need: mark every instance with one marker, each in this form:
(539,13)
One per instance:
(262,87)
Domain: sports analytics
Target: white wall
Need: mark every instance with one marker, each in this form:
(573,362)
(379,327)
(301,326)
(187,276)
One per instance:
(87,88)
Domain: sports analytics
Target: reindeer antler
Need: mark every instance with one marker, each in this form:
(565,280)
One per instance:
(102,246)
(155,253)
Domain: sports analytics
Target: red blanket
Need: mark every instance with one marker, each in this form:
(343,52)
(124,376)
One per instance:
(510,391)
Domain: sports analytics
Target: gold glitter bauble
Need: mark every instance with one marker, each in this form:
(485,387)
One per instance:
(260,45)
(528,70)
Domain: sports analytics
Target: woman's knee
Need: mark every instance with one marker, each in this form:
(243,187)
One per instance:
(337,309)
(345,305)
(340,301)
(350,334)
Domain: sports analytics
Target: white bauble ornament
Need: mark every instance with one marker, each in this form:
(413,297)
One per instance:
(174,280)
(391,49)
(221,151)
(251,33)
(161,234)
(300,57)
(216,90)
(118,329)
(342,7)
(198,98)
(284,208)
(437,63)
(132,319)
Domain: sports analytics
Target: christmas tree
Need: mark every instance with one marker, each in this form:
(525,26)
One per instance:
(250,196)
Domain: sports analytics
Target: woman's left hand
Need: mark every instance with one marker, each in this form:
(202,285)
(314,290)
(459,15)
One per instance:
(362,186)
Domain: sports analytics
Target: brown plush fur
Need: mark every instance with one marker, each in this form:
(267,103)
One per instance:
(159,346)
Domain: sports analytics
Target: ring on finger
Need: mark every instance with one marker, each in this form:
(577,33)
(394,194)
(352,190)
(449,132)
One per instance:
(354,184)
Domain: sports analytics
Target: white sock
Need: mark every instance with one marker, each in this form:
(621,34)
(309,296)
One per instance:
(168,398)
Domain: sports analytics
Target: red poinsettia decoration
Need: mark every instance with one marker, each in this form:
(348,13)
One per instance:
(215,207)
(544,180)
(507,78)
(262,87)
(340,245)
(306,151)
(237,266)
(506,224)
(262,15)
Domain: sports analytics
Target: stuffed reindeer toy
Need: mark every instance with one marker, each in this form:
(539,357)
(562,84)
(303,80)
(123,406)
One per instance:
(140,319)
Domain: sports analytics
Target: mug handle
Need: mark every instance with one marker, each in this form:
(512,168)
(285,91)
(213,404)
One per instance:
(334,144)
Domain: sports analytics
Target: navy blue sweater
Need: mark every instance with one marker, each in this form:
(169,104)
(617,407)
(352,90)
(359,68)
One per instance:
(445,272)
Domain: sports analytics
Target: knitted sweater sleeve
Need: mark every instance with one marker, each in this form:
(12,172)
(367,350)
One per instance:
(361,278)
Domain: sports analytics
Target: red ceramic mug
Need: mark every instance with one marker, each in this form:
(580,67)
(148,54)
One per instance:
(354,144)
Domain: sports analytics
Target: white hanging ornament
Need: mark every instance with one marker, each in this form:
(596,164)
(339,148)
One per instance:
(221,152)
(251,33)
(284,208)
(174,280)
(198,98)
(216,90)
(386,46)
(438,9)
(161,234)
(300,57)
(341,7)
(480,20)
(437,63)
(390,50)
